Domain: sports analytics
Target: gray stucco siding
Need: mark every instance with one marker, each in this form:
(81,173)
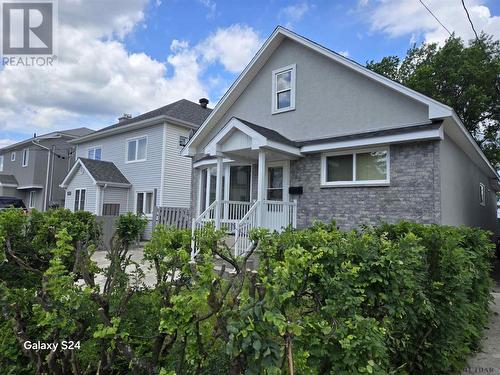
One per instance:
(460,179)
(330,99)
(413,193)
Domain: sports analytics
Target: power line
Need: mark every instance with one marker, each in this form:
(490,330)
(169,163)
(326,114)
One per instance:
(433,15)
(470,21)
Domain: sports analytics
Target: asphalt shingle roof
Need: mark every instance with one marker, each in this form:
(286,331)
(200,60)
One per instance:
(77,132)
(270,134)
(104,171)
(8,179)
(383,132)
(184,110)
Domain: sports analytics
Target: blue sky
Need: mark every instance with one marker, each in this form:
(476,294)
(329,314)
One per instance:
(118,56)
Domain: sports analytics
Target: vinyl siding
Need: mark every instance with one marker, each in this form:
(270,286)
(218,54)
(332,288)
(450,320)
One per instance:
(81,181)
(177,178)
(116,196)
(143,175)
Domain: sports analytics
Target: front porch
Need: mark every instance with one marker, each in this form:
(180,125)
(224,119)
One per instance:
(244,184)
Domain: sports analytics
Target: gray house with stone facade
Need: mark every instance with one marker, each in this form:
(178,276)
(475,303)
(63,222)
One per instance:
(306,134)
(33,169)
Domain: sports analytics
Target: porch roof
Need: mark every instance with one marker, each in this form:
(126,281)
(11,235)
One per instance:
(270,134)
(101,172)
(239,135)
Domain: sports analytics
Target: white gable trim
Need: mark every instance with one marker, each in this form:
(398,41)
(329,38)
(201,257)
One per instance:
(213,148)
(72,171)
(436,109)
(419,135)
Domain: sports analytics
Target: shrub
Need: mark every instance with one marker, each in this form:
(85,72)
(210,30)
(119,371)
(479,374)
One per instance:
(403,298)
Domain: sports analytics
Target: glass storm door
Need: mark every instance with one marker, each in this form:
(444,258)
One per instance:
(277,183)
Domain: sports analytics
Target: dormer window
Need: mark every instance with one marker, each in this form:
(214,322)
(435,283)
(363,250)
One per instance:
(284,89)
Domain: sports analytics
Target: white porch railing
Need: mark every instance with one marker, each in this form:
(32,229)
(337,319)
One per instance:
(239,218)
(206,216)
(248,222)
(231,214)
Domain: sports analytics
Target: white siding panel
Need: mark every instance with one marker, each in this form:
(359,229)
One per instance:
(177,188)
(81,180)
(116,196)
(143,175)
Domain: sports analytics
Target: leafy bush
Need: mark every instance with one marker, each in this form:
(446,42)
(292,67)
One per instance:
(404,298)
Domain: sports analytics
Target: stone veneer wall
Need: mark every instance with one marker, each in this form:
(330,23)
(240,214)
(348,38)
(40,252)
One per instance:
(413,194)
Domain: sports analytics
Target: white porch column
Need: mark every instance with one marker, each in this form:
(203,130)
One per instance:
(218,191)
(261,183)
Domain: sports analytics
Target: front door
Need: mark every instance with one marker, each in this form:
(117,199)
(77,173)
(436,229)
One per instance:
(277,183)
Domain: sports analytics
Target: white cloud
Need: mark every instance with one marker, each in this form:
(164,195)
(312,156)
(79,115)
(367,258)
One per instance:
(4,142)
(233,47)
(344,53)
(102,18)
(96,79)
(211,7)
(408,17)
(294,13)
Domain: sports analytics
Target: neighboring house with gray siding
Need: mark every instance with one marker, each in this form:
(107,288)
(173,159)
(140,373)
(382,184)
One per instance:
(135,164)
(33,169)
(306,134)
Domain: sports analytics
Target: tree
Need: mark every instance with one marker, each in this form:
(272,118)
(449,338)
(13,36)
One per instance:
(465,77)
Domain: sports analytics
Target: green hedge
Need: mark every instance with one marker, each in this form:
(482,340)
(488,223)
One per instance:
(400,299)
(404,298)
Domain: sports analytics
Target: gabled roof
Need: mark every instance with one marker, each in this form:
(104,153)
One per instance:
(70,133)
(8,179)
(436,109)
(257,137)
(100,171)
(183,111)
(270,134)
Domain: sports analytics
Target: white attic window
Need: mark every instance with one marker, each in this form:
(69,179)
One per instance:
(283,87)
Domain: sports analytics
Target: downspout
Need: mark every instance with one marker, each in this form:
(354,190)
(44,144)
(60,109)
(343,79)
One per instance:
(52,172)
(47,174)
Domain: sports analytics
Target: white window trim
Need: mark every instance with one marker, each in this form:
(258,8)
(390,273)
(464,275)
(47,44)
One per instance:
(94,148)
(274,101)
(286,178)
(136,139)
(325,183)
(1,163)
(482,191)
(25,162)
(79,199)
(227,172)
(153,203)
(13,156)
(32,200)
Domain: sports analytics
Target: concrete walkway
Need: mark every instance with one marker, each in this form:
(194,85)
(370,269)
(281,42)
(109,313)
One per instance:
(487,361)
(137,256)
